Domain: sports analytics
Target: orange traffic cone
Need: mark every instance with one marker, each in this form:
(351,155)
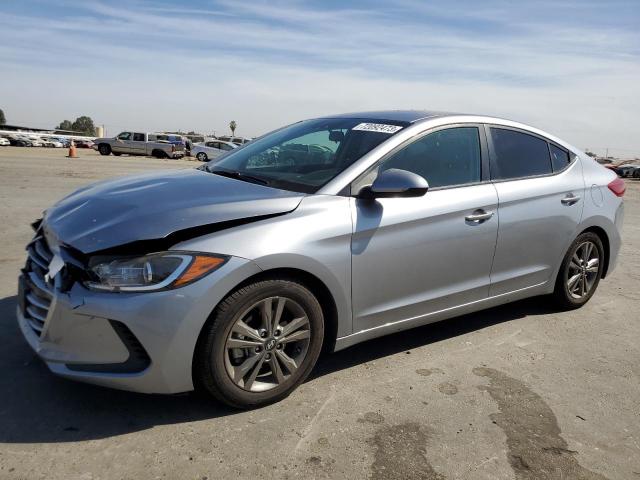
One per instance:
(72,150)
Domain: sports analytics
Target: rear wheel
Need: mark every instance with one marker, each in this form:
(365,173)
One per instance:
(201,156)
(104,149)
(159,154)
(580,271)
(261,343)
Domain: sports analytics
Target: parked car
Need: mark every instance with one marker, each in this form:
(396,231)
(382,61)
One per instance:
(236,140)
(627,170)
(231,278)
(19,142)
(49,142)
(26,141)
(166,137)
(34,141)
(83,143)
(135,143)
(4,142)
(211,149)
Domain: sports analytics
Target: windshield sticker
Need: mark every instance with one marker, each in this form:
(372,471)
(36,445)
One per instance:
(377,127)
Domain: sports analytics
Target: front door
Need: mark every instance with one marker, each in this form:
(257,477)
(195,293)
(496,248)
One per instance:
(122,143)
(416,256)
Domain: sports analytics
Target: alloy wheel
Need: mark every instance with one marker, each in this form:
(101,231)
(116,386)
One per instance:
(267,344)
(582,272)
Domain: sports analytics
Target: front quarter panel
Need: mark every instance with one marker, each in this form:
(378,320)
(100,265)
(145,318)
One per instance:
(314,238)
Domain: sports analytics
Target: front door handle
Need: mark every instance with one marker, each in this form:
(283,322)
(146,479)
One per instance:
(570,199)
(479,216)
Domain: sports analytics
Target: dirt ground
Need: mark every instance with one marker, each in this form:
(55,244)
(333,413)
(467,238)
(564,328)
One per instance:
(516,392)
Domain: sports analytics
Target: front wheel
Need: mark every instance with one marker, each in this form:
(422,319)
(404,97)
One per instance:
(580,271)
(201,156)
(262,341)
(104,149)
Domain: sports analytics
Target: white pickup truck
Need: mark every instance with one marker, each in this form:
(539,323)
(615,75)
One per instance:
(135,143)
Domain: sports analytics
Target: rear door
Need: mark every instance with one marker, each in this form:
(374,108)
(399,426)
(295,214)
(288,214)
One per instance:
(540,193)
(139,144)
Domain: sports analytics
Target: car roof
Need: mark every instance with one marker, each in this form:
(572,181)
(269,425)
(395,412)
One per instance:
(409,116)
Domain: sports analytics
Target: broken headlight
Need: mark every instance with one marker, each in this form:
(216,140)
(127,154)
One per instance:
(156,271)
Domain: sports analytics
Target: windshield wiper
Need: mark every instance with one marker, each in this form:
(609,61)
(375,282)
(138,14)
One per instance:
(240,176)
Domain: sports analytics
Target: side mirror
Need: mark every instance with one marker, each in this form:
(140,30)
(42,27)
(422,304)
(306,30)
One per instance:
(396,183)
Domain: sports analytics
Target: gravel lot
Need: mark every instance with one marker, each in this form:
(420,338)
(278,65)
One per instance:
(518,391)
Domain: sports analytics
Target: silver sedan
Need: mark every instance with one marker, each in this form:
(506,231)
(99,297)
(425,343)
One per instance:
(232,278)
(211,149)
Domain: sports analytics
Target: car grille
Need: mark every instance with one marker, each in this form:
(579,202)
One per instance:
(38,291)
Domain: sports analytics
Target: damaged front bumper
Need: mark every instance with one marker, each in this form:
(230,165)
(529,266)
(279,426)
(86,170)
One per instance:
(142,342)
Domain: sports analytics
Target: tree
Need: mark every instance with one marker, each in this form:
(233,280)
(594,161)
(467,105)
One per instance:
(3,120)
(84,124)
(65,125)
(233,125)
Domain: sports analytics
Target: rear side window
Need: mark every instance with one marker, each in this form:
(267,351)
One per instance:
(138,137)
(559,158)
(518,155)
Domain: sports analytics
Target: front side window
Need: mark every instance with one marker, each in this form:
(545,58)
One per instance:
(559,158)
(443,158)
(138,137)
(124,136)
(518,155)
(305,156)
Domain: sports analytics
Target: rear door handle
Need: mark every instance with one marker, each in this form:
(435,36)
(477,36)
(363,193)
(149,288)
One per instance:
(570,199)
(479,216)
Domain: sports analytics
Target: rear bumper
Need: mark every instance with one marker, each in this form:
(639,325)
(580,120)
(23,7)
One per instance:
(140,342)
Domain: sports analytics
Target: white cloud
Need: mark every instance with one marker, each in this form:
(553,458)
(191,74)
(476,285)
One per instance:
(266,65)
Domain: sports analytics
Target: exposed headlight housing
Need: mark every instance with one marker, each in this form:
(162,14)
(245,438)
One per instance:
(156,271)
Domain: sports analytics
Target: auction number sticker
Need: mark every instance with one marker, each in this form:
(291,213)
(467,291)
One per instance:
(377,127)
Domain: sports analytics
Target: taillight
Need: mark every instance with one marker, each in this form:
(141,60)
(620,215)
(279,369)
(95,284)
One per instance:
(618,187)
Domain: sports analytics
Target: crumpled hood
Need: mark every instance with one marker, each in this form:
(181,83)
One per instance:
(152,206)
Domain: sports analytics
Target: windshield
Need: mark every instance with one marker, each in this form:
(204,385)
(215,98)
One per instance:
(305,156)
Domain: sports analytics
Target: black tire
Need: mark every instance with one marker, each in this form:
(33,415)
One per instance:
(202,156)
(562,295)
(104,149)
(211,357)
(159,154)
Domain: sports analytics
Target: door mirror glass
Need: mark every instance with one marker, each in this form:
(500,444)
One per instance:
(396,183)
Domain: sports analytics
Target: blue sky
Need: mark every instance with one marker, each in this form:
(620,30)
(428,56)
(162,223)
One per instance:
(572,68)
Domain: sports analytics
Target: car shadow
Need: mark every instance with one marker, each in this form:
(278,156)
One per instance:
(39,407)
(429,334)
